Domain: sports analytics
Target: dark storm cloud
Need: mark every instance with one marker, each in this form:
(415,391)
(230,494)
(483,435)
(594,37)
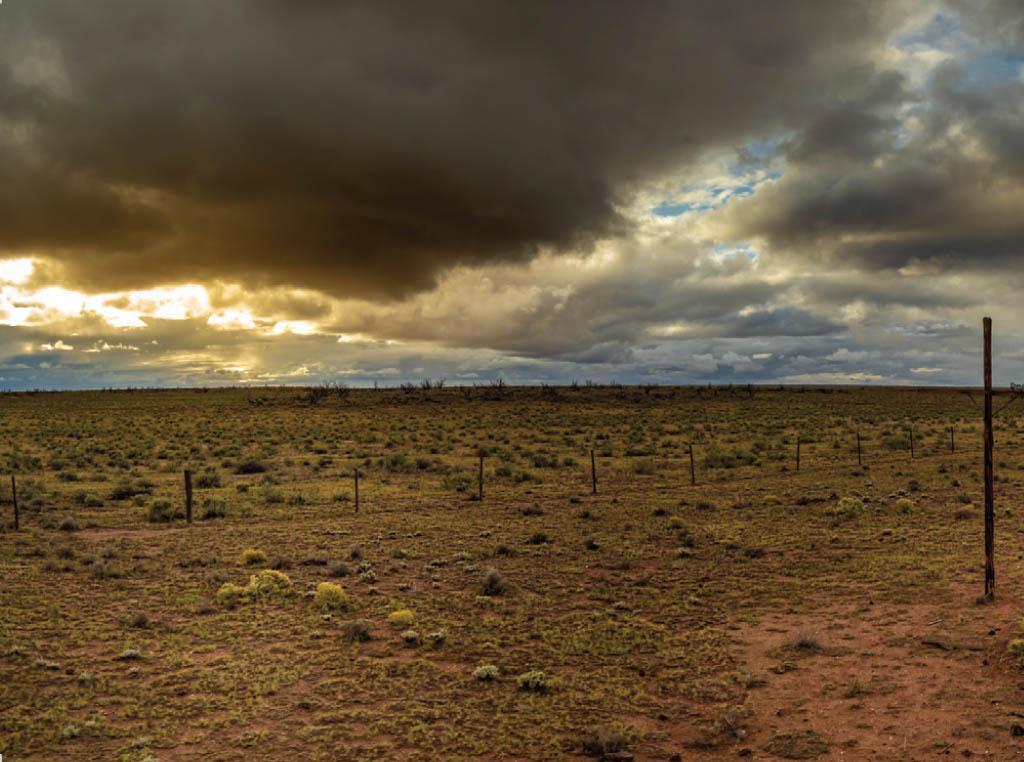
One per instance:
(362,148)
(933,178)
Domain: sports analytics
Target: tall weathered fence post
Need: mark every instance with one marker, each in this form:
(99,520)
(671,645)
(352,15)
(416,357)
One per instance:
(14,499)
(858,449)
(990,513)
(798,452)
(480,479)
(593,473)
(693,473)
(911,440)
(188,496)
(356,476)
(952,444)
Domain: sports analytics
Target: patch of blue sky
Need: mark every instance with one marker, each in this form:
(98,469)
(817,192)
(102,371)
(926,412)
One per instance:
(992,68)
(941,32)
(670,209)
(705,197)
(729,250)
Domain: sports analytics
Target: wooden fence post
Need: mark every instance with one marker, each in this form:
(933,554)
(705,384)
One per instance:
(952,444)
(481,479)
(188,496)
(990,514)
(911,440)
(798,452)
(858,449)
(14,499)
(693,473)
(356,474)
(593,473)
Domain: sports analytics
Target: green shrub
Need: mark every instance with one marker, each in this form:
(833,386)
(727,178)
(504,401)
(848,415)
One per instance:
(494,583)
(486,673)
(358,631)
(161,510)
(213,509)
(534,681)
(208,479)
(250,467)
(410,638)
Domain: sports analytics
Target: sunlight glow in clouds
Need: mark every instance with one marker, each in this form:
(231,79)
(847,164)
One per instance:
(24,306)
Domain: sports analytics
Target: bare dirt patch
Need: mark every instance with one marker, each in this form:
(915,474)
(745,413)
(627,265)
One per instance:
(889,681)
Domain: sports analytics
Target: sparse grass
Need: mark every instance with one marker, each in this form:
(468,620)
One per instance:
(804,744)
(630,598)
(805,643)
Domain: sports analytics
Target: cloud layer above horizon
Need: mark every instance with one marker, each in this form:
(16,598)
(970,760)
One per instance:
(261,191)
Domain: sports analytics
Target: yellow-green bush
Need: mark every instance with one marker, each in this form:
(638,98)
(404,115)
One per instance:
(252,557)
(330,597)
(265,584)
(534,680)
(904,505)
(1016,647)
(230,595)
(269,583)
(401,618)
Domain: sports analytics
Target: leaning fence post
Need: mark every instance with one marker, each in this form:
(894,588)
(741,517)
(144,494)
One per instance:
(593,473)
(188,496)
(693,473)
(356,475)
(990,513)
(14,499)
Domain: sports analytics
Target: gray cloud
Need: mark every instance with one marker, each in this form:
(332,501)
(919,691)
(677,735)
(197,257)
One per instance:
(363,148)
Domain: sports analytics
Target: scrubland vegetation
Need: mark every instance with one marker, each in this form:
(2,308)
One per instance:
(766,611)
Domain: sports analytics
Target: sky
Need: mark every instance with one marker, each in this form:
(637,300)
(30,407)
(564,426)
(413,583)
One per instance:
(250,192)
